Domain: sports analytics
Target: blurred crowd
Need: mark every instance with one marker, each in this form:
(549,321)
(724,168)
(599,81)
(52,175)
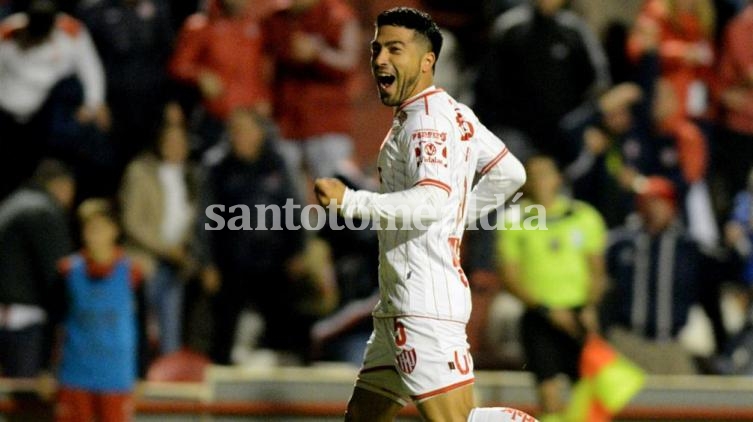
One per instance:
(635,118)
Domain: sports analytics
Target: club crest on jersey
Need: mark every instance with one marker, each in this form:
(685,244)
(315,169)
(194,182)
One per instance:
(426,152)
(406,360)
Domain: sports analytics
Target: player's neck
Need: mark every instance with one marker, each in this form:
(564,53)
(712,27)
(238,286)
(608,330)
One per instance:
(420,88)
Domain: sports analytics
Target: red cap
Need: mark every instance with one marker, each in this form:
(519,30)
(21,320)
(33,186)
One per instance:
(657,187)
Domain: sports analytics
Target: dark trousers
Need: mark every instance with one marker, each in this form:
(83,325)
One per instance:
(269,293)
(22,351)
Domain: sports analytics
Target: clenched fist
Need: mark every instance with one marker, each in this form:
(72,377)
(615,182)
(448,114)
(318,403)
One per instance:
(328,190)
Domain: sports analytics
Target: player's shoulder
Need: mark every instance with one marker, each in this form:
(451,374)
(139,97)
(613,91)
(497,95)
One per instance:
(431,109)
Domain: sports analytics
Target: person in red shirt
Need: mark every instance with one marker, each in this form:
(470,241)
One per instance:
(315,44)
(685,31)
(220,52)
(735,147)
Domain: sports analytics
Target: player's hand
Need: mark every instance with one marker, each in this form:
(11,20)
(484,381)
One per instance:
(328,190)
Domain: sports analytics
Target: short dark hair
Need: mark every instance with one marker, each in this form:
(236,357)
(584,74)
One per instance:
(97,207)
(48,170)
(414,19)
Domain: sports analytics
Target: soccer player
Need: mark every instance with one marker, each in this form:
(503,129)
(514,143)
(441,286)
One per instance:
(427,162)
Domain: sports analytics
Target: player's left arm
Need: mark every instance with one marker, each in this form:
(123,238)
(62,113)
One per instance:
(502,174)
(427,160)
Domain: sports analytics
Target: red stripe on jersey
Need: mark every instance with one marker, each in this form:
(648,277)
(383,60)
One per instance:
(494,161)
(413,100)
(434,182)
(443,390)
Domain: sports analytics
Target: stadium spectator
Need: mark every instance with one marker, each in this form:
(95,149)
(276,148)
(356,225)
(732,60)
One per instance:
(739,231)
(134,39)
(560,296)
(603,132)
(97,304)
(158,198)
(315,45)
(685,31)
(34,234)
(342,336)
(558,64)
(33,237)
(734,147)
(38,48)
(220,53)
(249,267)
(654,270)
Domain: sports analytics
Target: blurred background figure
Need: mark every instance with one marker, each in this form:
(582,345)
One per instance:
(739,230)
(602,132)
(97,304)
(34,235)
(557,273)
(342,335)
(559,64)
(654,271)
(734,147)
(220,55)
(250,267)
(737,356)
(315,45)
(158,198)
(685,31)
(134,39)
(39,48)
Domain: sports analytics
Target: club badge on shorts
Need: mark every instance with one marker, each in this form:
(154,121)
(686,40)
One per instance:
(406,360)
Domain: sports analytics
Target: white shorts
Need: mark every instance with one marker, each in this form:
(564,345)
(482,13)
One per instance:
(416,358)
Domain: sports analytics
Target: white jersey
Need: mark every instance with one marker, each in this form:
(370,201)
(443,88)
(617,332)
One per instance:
(439,143)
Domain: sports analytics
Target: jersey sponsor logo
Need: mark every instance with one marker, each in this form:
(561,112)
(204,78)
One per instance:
(426,152)
(429,134)
(406,360)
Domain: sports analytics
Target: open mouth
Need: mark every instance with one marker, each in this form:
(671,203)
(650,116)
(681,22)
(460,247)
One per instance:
(385,81)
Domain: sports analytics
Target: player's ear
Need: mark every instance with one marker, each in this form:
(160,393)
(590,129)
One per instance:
(427,63)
